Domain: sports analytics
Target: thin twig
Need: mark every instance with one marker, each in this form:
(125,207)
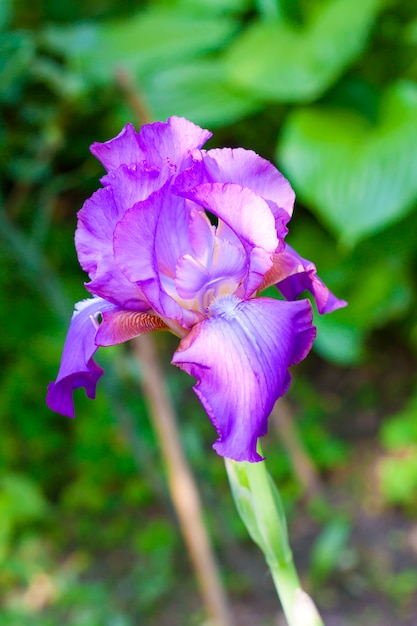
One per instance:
(183,488)
(283,421)
(135,100)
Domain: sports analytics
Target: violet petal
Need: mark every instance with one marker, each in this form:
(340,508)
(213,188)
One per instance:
(240,358)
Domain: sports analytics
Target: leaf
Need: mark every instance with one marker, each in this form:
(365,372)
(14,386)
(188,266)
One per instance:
(197,91)
(21,499)
(279,61)
(5,13)
(16,52)
(329,550)
(148,41)
(356,177)
(213,7)
(337,341)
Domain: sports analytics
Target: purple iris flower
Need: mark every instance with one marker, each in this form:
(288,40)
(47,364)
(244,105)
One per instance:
(183,239)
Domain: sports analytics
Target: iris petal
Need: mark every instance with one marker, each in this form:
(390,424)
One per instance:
(293,275)
(170,143)
(94,242)
(120,326)
(148,240)
(226,270)
(162,144)
(251,220)
(248,169)
(124,148)
(240,358)
(78,368)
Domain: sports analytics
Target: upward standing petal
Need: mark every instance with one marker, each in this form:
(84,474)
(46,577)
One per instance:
(247,169)
(240,358)
(162,145)
(148,240)
(124,148)
(250,219)
(94,242)
(172,142)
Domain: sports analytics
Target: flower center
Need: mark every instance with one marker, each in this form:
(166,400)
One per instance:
(214,266)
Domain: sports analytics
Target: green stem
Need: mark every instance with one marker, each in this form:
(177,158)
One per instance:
(286,583)
(259,505)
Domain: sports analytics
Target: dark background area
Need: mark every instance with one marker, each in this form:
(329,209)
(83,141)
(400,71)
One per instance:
(327,91)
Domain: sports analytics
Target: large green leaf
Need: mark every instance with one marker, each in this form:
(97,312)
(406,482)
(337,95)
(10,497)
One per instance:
(280,61)
(146,42)
(356,176)
(198,91)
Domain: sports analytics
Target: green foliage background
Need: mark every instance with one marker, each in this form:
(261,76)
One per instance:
(325,89)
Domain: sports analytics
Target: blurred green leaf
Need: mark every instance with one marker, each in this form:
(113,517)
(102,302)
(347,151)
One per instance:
(148,41)
(16,53)
(276,60)
(356,177)
(337,341)
(21,496)
(20,502)
(212,7)
(5,13)
(398,469)
(198,91)
(401,430)
(328,550)
(398,477)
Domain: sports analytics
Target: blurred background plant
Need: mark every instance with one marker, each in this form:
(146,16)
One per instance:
(328,91)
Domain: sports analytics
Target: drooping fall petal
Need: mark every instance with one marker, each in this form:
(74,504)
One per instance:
(240,357)
(297,275)
(78,368)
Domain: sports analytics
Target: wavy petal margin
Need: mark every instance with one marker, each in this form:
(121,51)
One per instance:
(240,357)
(297,275)
(249,217)
(78,368)
(161,144)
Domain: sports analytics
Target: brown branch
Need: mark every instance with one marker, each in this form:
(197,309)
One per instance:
(283,421)
(133,97)
(184,492)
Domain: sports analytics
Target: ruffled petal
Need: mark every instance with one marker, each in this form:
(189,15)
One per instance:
(94,242)
(247,169)
(148,240)
(295,275)
(240,358)
(165,145)
(170,143)
(249,217)
(123,149)
(78,368)
(132,184)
